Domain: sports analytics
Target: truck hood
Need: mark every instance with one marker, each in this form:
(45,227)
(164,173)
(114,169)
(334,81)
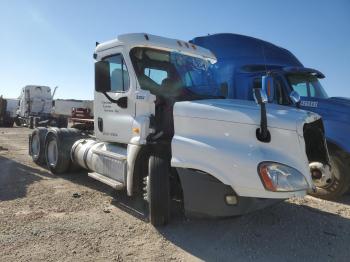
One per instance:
(245,112)
(333,107)
(339,104)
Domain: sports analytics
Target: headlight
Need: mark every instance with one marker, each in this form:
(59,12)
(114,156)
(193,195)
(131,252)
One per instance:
(279,177)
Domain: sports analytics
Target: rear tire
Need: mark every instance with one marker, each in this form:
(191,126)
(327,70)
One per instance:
(58,145)
(37,145)
(158,189)
(18,121)
(340,178)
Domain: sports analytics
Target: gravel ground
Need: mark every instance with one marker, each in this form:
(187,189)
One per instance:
(72,217)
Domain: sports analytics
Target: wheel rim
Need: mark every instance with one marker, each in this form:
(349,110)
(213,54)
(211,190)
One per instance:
(52,153)
(335,174)
(35,146)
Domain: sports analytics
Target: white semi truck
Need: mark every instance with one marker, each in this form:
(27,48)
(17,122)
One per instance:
(162,131)
(36,107)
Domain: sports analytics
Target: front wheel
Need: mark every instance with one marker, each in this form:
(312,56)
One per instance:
(340,179)
(157,189)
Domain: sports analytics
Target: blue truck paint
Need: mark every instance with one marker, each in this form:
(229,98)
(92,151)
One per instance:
(241,59)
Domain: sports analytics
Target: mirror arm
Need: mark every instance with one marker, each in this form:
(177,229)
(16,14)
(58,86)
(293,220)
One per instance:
(263,133)
(110,98)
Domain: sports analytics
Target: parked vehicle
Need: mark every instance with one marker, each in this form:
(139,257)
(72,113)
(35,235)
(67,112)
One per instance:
(7,111)
(38,108)
(243,60)
(35,108)
(163,132)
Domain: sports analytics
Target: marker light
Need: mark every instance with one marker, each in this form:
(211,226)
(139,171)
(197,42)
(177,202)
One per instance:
(231,200)
(278,177)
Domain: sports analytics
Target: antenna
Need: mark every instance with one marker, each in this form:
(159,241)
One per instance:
(54,91)
(263,51)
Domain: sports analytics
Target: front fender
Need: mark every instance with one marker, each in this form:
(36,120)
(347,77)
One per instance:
(338,133)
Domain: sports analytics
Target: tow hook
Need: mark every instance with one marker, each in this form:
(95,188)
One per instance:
(321,174)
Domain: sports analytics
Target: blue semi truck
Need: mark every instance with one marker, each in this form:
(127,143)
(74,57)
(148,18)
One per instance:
(243,60)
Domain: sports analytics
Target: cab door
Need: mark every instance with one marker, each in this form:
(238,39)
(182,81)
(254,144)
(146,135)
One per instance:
(113,121)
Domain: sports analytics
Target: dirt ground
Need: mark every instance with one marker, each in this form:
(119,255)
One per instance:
(75,218)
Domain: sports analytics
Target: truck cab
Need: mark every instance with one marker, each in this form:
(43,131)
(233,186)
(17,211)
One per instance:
(164,131)
(243,60)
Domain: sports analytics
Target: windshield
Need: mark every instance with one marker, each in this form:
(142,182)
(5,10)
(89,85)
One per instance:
(172,74)
(307,85)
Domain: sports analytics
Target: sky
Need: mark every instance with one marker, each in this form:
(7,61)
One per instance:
(52,42)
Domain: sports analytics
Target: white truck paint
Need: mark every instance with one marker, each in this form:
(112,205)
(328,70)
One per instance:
(215,154)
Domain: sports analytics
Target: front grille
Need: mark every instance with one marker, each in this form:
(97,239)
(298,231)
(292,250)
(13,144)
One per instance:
(315,142)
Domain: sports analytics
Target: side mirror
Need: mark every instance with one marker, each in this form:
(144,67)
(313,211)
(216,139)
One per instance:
(102,77)
(268,87)
(295,98)
(260,96)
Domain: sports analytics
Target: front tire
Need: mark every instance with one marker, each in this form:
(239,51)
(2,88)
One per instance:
(158,189)
(340,181)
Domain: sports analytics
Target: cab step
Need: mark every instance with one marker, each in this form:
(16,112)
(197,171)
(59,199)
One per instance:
(106,180)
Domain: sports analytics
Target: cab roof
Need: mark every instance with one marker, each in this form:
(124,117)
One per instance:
(148,40)
(35,86)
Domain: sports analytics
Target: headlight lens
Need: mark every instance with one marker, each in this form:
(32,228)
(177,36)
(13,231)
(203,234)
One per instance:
(279,177)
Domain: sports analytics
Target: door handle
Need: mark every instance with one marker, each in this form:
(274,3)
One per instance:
(100,124)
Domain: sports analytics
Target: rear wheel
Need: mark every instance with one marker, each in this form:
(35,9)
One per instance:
(158,189)
(37,145)
(58,145)
(340,180)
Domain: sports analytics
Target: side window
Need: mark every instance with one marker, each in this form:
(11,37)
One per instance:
(301,89)
(312,90)
(118,73)
(156,75)
(279,95)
